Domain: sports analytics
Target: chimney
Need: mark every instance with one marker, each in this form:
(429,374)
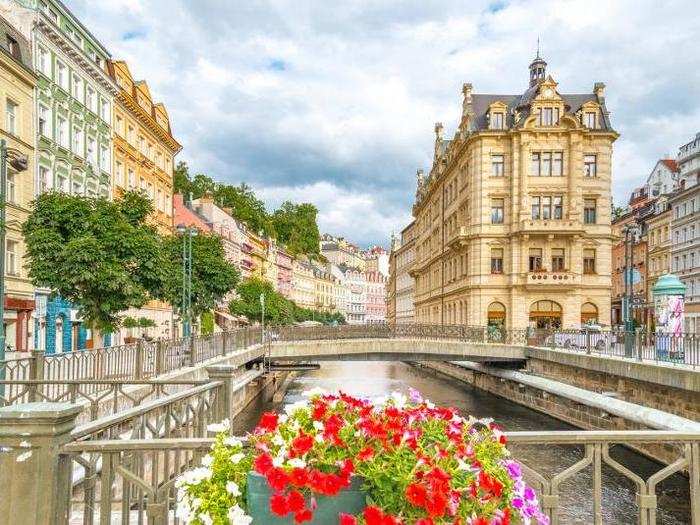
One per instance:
(467,92)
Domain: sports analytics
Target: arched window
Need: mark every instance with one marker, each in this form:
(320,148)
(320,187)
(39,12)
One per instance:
(496,314)
(545,315)
(589,313)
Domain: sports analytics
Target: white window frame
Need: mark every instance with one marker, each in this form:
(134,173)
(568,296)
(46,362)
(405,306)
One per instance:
(11,116)
(46,132)
(62,74)
(45,61)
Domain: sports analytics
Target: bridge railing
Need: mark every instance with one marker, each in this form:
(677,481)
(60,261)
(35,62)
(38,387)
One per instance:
(132,481)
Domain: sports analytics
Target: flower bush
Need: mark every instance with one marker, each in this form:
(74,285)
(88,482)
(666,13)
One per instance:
(420,465)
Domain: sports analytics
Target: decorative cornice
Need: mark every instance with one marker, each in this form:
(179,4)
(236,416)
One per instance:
(147,120)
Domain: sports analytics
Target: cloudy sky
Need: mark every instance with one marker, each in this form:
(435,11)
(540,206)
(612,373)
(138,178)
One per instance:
(334,102)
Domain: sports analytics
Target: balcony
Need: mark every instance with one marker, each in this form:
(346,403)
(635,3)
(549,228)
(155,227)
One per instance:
(551,226)
(555,280)
(458,238)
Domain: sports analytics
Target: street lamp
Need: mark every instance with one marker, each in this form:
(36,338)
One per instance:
(186,306)
(19,163)
(631,231)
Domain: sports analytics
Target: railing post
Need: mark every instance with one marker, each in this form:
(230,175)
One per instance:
(227,374)
(193,349)
(36,373)
(224,342)
(161,346)
(638,342)
(138,360)
(588,341)
(36,479)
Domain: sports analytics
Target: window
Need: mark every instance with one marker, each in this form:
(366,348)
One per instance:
(45,179)
(547,207)
(78,88)
(558,259)
(535,259)
(62,183)
(549,116)
(590,166)
(589,211)
(78,141)
(61,75)
(10,189)
(130,135)
(132,179)
(119,125)
(62,125)
(547,164)
(588,261)
(77,188)
(496,121)
(11,256)
(44,61)
(496,211)
(104,110)
(91,99)
(590,120)
(11,110)
(91,150)
(44,121)
(120,174)
(104,158)
(496,260)
(497,165)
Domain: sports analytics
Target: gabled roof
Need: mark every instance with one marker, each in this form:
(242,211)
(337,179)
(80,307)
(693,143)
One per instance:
(670,164)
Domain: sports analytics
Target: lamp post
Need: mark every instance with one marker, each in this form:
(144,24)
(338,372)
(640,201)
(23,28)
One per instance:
(630,231)
(186,305)
(19,163)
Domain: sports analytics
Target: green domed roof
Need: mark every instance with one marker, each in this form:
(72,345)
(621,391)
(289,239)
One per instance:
(669,284)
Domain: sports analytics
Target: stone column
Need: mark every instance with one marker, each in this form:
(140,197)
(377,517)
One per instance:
(228,401)
(36,479)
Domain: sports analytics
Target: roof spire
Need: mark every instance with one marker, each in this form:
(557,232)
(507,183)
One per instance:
(538,47)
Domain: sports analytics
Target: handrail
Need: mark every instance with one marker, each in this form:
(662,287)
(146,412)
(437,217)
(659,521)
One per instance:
(120,417)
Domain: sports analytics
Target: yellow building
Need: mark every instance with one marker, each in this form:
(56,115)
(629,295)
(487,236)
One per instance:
(303,284)
(144,152)
(256,248)
(17,95)
(512,224)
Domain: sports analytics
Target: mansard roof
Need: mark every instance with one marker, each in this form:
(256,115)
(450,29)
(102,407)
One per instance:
(22,54)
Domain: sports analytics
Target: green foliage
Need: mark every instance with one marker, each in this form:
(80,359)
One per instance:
(145,322)
(278,309)
(98,254)
(130,322)
(212,275)
(245,207)
(207,320)
(296,228)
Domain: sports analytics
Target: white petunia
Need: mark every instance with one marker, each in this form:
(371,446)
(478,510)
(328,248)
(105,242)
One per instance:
(237,516)
(193,477)
(207,460)
(296,463)
(205,518)
(233,441)
(224,426)
(379,402)
(278,461)
(278,440)
(399,399)
(237,458)
(319,438)
(282,419)
(233,489)
(291,408)
(318,426)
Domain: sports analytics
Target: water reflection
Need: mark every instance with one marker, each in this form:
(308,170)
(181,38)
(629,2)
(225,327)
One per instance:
(370,379)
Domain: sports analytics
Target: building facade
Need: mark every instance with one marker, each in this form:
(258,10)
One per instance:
(404,285)
(658,240)
(513,222)
(304,288)
(339,251)
(357,296)
(375,305)
(17,82)
(73,107)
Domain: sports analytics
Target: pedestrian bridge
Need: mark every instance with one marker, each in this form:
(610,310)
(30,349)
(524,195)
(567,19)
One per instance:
(399,349)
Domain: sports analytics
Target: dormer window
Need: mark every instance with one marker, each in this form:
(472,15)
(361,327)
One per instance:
(590,120)
(549,116)
(497,120)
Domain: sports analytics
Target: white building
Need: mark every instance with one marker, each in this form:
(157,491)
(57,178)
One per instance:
(663,178)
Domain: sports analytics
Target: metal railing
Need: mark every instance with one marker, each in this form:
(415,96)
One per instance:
(126,493)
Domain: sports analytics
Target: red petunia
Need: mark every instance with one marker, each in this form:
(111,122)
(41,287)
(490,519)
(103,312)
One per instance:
(425,521)
(298,477)
(347,519)
(319,411)
(277,478)
(268,422)
(278,505)
(366,454)
(415,494)
(295,501)
(303,516)
(262,464)
(302,444)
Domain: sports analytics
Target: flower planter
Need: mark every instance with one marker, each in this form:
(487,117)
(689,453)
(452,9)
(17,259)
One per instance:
(349,501)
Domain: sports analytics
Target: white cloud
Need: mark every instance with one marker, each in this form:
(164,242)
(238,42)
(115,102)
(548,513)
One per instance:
(289,95)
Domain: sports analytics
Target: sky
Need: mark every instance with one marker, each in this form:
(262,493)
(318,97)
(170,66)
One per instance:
(335,102)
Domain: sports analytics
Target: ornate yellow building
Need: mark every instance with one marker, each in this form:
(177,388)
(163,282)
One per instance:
(512,224)
(144,147)
(144,152)
(17,82)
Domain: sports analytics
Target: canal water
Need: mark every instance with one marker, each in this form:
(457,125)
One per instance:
(370,379)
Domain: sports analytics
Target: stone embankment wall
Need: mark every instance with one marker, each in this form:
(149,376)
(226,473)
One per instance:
(571,407)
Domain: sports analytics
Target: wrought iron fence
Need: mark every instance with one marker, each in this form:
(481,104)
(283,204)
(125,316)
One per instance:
(127,492)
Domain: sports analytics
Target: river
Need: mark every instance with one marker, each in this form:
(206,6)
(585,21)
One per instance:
(369,379)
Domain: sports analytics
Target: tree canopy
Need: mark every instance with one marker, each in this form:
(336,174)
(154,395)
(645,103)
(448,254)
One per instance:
(278,309)
(296,228)
(98,254)
(213,277)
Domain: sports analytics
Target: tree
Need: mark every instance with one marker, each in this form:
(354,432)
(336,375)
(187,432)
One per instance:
(297,229)
(212,275)
(98,254)
(245,207)
(278,309)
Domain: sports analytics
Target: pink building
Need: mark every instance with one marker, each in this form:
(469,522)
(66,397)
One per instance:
(375,309)
(284,263)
